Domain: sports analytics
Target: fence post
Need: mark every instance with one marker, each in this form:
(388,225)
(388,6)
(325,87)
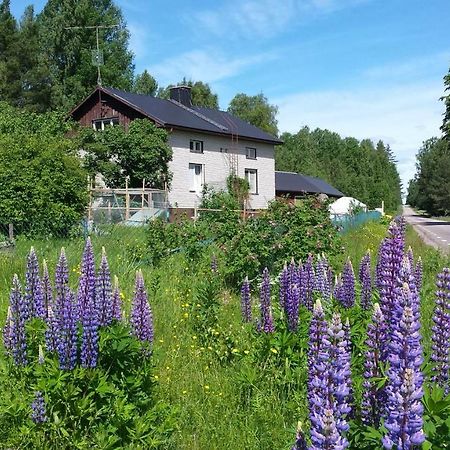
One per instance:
(11,231)
(127,200)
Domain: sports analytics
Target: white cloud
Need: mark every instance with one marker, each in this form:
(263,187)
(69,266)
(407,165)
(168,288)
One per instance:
(206,65)
(403,115)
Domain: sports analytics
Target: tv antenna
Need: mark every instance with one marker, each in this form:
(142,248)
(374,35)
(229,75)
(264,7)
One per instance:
(97,54)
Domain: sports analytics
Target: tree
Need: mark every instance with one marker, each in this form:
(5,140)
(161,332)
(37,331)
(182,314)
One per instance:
(140,153)
(69,50)
(255,109)
(145,84)
(446,98)
(201,93)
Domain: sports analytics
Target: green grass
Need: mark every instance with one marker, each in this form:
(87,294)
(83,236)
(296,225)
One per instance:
(220,398)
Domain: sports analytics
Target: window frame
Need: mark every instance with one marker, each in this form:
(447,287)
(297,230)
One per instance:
(254,171)
(103,121)
(191,167)
(247,152)
(192,146)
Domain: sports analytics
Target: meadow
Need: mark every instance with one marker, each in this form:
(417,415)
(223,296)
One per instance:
(216,382)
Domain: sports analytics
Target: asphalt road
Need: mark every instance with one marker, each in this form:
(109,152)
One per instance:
(433,232)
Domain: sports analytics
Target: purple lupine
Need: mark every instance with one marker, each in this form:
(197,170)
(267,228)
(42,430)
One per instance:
(322,285)
(47,289)
(87,282)
(67,331)
(19,313)
(382,249)
(7,331)
(339,381)
(418,273)
(34,296)
(300,442)
(373,397)
(141,318)
(348,285)
(307,280)
(116,301)
(441,330)
(327,436)
(410,256)
(246,307)
(365,279)
(52,330)
(61,276)
(284,285)
(266,322)
(38,410)
(404,389)
(291,307)
(338,292)
(103,295)
(50,319)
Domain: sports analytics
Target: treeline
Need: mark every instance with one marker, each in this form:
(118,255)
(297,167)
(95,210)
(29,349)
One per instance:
(359,169)
(429,190)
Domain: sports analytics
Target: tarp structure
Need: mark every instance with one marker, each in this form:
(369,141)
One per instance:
(346,205)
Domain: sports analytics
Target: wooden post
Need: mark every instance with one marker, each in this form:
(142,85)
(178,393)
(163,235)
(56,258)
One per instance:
(127,200)
(11,232)
(382,207)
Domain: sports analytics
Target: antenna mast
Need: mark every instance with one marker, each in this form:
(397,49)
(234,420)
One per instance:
(97,55)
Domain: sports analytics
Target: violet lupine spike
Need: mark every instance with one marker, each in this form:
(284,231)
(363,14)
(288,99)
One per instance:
(34,296)
(67,331)
(441,330)
(141,318)
(7,343)
(300,442)
(291,307)
(338,293)
(38,410)
(307,280)
(418,273)
(404,389)
(61,275)
(321,285)
(246,307)
(410,256)
(284,283)
(87,282)
(339,381)
(103,294)
(374,399)
(365,279)
(47,289)
(266,322)
(116,301)
(19,313)
(52,330)
(318,367)
(328,436)
(348,285)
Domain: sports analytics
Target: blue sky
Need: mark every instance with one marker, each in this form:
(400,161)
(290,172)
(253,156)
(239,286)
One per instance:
(363,68)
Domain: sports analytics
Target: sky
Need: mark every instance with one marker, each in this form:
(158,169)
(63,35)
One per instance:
(363,68)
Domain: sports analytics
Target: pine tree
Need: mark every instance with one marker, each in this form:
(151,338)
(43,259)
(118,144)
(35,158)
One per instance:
(145,84)
(446,98)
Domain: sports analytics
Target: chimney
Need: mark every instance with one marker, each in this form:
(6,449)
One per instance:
(181,94)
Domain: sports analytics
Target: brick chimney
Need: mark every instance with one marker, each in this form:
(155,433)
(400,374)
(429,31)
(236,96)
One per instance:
(181,94)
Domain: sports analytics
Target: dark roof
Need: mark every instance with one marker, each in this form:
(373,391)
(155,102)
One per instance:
(290,182)
(170,113)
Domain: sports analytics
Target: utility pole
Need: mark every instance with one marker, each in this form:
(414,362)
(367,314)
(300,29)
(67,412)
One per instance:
(97,57)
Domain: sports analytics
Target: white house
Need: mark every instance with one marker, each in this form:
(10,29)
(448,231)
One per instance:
(208,145)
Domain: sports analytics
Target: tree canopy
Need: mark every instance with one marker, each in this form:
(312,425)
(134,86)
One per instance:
(145,84)
(201,93)
(256,110)
(357,168)
(446,98)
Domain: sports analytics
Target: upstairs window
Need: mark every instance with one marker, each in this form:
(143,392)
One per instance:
(250,152)
(223,150)
(101,124)
(196,146)
(197,175)
(251,175)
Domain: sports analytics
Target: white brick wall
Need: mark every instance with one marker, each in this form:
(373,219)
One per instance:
(216,167)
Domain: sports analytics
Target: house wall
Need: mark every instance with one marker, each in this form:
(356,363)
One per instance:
(217,167)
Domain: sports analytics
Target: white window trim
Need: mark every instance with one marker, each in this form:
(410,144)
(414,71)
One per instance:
(192,186)
(247,152)
(255,171)
(192,145)
(111,121)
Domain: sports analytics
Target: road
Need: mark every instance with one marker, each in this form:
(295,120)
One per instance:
(433,232)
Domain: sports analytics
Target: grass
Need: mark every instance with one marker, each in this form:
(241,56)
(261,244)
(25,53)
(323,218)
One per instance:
(216,390)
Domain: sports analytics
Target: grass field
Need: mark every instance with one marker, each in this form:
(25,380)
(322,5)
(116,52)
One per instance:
(217,395)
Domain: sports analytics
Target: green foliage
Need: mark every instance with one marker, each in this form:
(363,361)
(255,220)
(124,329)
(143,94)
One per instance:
(430,189)
(110,406)
(255,109)
(446,98)
(358,169)
(239,188)
(145,84)
(140,153)
(201,93)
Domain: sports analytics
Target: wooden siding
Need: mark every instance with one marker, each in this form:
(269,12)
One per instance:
(101,105)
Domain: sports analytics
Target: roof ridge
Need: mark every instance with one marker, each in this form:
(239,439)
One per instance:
(200,115)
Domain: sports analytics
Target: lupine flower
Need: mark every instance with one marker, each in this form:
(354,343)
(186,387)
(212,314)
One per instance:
(47,289)
(141,319)
(365,279)
(300,442)
(246,306)
(441,330)
(87,282)
(34,297)
(328,437)
(373,397)
(38,410)
(7,331)
(51,332)
(291,307)
(67,331)
(347,297)
(338,292)
(19,313)
(404,390)
(61,276)
(307,281)
(266,322)
(284,285)
(214,264)
(322,285)
(410,256)
(116,301)
(418,273)
(103,296)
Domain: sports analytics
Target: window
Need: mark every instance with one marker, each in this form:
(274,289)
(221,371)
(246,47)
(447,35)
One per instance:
(196,146)
(101,124)
(223,150)
(197,175)
(251,152)
(251,175)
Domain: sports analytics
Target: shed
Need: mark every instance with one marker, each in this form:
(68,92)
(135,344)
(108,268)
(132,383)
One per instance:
(293,185)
